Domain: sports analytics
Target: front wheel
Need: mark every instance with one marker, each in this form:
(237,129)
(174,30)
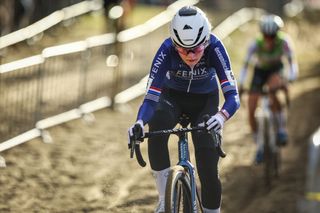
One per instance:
(178,191)
(271,154)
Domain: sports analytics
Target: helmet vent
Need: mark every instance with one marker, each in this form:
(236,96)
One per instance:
(177,35)
(187,27)
(199,35)
(187,11)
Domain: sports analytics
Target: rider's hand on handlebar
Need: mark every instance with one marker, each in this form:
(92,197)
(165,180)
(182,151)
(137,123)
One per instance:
(291,79)
(292,73)
(136,131)
(216,122)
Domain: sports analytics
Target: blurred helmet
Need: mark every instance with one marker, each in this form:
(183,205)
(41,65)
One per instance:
(190,27)
(270,24)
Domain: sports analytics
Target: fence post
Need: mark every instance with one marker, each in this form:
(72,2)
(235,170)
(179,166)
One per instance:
(313,174)
(45,135)
(2,160)
(116,15)
(85,56)
(38,113)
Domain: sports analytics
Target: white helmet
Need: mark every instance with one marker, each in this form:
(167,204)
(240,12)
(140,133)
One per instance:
(190,27)
(270,24)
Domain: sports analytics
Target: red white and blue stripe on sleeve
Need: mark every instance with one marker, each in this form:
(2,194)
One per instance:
(226,86)
(153,94)
(156,78)
(148,106)
(232,102)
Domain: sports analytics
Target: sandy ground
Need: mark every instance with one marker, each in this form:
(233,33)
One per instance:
(88,169)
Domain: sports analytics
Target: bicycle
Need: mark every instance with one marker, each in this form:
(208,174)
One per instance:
(181,193)
(267,141)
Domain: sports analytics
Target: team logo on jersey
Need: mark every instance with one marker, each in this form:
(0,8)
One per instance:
(221,58)
(158,61)
(197,73)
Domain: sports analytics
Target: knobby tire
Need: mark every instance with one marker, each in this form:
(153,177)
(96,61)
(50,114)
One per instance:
(178,191)
(271,157)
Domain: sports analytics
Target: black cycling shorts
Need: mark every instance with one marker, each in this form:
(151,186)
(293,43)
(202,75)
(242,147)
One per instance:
(171,106)
(261,76)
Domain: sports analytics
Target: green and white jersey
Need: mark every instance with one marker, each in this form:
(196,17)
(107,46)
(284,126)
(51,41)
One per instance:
(268,56)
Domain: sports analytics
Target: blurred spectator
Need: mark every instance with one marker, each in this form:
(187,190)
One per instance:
(157,2)
(6,12)
(23,10)
(43,8)
(18,14)
(127,6)
(29,8)
(107,5)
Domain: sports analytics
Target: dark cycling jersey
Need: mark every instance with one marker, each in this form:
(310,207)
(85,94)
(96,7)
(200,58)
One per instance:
(169,71)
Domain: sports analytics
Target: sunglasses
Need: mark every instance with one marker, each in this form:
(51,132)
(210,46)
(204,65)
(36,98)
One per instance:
(195,50)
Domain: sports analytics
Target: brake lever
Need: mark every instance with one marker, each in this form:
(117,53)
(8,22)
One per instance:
(135,147)
(132,145)
(216,138)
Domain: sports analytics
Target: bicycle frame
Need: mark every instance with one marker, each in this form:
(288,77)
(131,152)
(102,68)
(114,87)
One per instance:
(267,141)
(265,114)
(184,161)
(183,151)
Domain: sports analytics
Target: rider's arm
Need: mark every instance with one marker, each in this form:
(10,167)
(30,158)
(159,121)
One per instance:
(226,78)
(293,67)
(157,74)
(243,73)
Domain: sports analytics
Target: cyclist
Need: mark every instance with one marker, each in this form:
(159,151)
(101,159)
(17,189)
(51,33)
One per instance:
(270,48)
(184,79)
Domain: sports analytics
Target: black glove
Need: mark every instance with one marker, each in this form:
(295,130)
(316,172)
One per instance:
(136,132)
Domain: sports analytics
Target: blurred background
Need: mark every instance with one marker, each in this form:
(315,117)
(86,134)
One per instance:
(16,14)
(73,74)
